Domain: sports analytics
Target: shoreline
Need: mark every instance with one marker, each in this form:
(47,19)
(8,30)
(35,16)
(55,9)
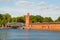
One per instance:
(35,29)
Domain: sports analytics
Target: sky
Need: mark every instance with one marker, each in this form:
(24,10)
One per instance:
(45,8)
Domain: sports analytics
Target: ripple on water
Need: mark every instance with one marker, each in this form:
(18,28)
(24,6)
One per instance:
(15,34)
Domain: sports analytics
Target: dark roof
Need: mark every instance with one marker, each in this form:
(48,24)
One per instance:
(48,23)
(15,24)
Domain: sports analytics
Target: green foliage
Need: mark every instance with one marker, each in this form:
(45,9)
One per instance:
(57,20)
(39,18)
(1,17)
(33,19)
(13,19)
(5,18)
(21,19)
(47,19)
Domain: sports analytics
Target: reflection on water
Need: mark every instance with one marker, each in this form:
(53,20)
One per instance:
(15,34)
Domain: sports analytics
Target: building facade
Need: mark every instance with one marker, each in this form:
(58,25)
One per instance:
(41,26)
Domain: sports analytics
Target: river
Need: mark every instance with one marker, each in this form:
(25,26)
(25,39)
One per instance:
(17,34)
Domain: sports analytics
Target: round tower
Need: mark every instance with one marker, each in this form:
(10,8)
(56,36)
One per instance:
(27,20)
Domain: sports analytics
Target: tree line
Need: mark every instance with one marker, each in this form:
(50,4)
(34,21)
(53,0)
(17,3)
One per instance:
(5,18)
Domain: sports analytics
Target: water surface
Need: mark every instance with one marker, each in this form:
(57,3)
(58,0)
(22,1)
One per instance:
(16,34)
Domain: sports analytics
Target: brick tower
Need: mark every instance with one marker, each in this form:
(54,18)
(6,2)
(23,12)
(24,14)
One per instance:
(27,20)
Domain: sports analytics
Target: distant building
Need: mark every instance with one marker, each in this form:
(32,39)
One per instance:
(41,26)
(14,25)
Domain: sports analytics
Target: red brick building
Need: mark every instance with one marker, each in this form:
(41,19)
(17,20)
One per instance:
(41,26)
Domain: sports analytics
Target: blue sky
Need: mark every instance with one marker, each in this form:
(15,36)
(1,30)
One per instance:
(45,8)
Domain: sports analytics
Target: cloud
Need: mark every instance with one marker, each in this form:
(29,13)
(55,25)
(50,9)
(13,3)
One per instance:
(14,11)
(47,7)
(42,3)
(7,9)
(52,7)
(4,0)
(37,8)
(25,3)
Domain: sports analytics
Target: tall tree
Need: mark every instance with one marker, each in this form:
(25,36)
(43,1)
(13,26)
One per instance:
(7,16)
(47,19)
(57,20)
(21,19)
(33,19)
(1,17)
(39,18)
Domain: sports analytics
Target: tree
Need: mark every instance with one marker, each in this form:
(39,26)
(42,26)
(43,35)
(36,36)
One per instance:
(1,17)
(21,19)
(7,17)
(39,18)
(47,19)
(13,19)
(33,19)
(57,20)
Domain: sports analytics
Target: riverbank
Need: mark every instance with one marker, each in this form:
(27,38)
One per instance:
(41,29)
(29,28)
